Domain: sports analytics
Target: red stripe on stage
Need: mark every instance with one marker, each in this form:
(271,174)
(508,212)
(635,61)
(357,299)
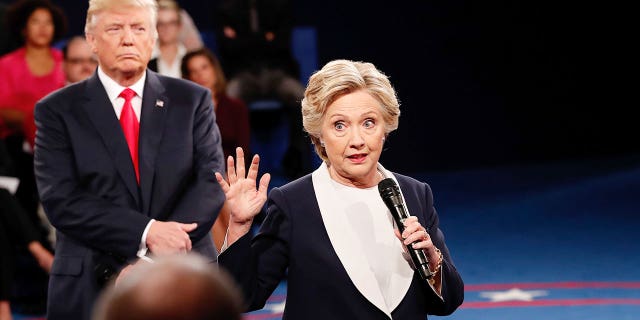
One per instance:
(262,316)
(548,303)
(552,285)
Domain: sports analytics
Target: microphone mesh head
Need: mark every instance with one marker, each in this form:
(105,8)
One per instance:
(388,187)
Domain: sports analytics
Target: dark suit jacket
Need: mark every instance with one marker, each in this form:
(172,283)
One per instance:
(88,187)
(293,240)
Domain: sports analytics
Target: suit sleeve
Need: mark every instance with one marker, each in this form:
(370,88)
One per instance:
(79,214)
(202,198)
(452,285)
(258,265)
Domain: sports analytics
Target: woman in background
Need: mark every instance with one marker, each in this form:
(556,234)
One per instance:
(16,229)
(202,67)
(232,116)
(33,70)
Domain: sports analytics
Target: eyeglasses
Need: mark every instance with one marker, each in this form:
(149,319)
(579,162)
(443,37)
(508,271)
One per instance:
(81,60)
(172,23)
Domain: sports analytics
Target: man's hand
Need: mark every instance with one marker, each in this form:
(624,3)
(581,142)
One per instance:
(170,237)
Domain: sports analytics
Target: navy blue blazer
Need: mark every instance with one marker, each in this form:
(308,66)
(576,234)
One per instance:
(88,187)
(293,242)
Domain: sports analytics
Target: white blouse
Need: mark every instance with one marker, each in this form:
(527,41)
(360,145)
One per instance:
(360,228)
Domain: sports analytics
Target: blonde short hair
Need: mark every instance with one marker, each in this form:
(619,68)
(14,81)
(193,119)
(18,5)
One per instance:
(170,5)
(340,77)
(96,6)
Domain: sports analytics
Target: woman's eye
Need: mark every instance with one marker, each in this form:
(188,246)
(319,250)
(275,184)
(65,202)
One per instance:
(339,125)
(369,123)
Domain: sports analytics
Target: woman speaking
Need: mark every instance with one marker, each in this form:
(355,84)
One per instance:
(330,233)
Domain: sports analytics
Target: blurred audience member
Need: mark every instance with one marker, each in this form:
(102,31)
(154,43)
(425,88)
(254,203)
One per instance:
(202,67)
(15,229)
(172,288)
(168,51)
(189,33)
(35,69)
(255,49)
(26,75)
(79,61)
(4,34)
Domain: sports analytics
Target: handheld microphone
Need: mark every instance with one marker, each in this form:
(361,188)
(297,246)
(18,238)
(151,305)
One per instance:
(392,198)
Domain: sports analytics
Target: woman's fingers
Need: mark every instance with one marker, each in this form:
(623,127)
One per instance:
(253,169)
(414,233)
(264,185)
(240,172)
(231,171)
(411,225)
(223,183)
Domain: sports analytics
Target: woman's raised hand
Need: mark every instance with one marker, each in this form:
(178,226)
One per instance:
(243,198)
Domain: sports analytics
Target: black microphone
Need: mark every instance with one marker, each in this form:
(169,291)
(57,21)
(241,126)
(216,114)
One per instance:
(390,194)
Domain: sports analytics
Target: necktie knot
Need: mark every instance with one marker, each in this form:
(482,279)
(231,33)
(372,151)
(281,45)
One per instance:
(127,94)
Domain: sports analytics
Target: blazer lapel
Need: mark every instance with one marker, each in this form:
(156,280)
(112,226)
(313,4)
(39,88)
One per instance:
(100,111)
(154,109)
(351,258)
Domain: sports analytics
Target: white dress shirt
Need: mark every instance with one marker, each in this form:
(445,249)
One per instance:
(113,91)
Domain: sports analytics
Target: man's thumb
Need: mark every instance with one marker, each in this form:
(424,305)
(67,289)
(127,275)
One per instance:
(188,227)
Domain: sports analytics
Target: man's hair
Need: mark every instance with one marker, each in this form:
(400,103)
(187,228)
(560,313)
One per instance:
(96,6)
(172,288)
(65,48)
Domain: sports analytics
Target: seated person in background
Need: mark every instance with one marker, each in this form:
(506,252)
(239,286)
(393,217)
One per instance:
(79,61)
(27,74)
(168,52)
(172,288)
(33,70)
(189,33)
(15,228)
(202,67)
(329,232)
(255,50)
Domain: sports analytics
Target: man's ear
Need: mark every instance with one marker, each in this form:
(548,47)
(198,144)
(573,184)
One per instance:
(91,40)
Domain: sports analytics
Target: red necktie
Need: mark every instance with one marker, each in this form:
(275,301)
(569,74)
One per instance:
(130,127)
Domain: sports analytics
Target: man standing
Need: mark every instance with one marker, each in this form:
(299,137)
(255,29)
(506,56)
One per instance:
(124,161)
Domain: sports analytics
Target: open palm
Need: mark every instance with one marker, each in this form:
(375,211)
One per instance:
(243,198)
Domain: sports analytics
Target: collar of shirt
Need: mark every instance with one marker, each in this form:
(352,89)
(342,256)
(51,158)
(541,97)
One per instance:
(114,89)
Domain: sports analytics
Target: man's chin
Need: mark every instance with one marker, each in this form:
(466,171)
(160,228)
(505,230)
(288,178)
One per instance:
(131,69)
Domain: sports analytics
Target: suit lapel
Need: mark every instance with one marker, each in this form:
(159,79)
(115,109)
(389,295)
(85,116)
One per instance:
(339,233)
(100,111)
(155,106)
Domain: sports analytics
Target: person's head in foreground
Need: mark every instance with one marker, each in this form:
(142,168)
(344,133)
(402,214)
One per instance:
(183,287)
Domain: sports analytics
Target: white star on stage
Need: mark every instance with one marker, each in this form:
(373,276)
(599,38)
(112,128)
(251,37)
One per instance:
(514,294)
(276,307)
